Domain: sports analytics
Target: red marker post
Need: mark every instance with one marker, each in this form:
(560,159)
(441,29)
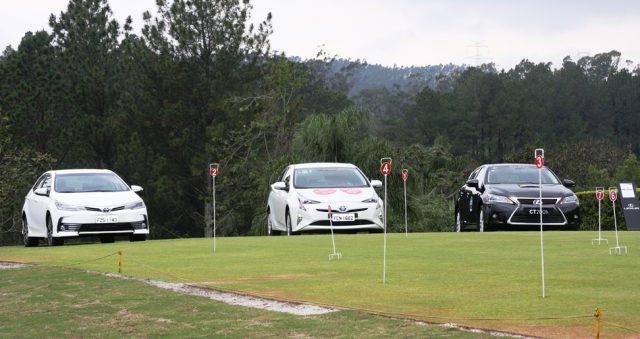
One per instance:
(613,196)
(213,171)
(405,177)
(385,169)
(599,197)
(539,162)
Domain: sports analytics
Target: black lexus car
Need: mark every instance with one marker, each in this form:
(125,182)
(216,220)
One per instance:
(506,196)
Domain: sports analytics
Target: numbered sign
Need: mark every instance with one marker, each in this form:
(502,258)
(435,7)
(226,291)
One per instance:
(385,168)
(599,194)
(405,174)
(539,161)
(213,169)
(613,195)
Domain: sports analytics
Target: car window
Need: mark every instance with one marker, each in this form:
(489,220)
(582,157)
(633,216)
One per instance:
(39,181)
(329,177)
(519,175)
(46,182)
(89,182)
(474,174)
(281,177)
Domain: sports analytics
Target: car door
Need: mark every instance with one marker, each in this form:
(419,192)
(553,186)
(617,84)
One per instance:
(468,198)
(37,209)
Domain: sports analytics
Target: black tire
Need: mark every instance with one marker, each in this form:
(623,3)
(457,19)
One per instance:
(288,221)
(107,239)
(50,239)
(138,237)
(458,225)
(28,241)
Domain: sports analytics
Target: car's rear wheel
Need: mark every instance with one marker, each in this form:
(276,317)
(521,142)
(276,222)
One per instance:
(28,241)
(458,222)
(481,220)
(270,230)
(51,241)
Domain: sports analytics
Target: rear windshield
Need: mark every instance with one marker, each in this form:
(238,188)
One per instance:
(328,177)
(519,175)
(89,182)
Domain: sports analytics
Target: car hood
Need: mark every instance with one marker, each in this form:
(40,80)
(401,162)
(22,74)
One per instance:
(98,199)
(528,190)
(355,194)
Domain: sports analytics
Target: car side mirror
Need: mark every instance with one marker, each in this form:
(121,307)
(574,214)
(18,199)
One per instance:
(279,186)
(473,183)
(568,183)
(42,191)
(376,183)
(136,188)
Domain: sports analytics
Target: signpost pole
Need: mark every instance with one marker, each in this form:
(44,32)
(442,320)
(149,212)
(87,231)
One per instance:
(539,161)
(385,168)
(613,196)
(405,176)
(599,196)
(333,239)
(213,170)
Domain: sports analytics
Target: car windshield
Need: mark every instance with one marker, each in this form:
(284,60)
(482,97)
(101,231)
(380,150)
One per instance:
(519,175)
(89,182)
(328,177)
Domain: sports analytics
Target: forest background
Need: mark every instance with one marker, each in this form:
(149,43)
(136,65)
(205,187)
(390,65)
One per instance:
(200,84)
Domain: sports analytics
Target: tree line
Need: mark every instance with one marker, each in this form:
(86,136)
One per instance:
(200,84)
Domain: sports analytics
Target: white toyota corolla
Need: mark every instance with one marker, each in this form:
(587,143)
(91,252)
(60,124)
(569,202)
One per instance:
(72,203)
(318,196)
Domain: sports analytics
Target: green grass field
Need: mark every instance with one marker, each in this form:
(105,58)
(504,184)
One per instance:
(489,280)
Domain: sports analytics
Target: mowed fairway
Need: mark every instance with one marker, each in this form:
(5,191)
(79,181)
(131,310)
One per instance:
(489,280)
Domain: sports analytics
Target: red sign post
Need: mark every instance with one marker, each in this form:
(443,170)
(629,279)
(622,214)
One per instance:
(600,193)
(405,176)
(385,169)
(213,171)
(599,196)
(613,195)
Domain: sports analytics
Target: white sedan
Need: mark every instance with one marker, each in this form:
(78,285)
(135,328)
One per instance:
(72,203)
(318,196)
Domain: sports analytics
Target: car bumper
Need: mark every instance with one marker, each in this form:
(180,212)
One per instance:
(368,216)
(559,216)
(86,223)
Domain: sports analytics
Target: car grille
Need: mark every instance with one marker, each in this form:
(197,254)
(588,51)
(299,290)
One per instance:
(105,227)
(336,211)
(545,201)
(101,209)
(552,218)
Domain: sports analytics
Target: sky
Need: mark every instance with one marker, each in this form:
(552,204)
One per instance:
(408,32)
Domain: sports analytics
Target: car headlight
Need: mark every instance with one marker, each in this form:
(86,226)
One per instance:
(134,205)
(371,200)
(304,201)
(492,199)
(572,199)
(68,207)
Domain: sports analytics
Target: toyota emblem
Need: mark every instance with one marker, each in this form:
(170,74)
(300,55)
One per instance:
(106,210)
(342,208)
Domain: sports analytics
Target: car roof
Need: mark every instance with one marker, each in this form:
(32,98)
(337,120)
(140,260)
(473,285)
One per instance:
(80,171)
(509,164)
(323,165)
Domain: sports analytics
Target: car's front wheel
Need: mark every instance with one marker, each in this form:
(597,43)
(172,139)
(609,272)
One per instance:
(50,239)
(288,221)
(28,241)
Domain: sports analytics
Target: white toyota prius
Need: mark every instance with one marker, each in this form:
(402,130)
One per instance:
(318,196)
(81,202)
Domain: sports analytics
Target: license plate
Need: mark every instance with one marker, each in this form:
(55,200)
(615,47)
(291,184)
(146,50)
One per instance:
(536,211)
(343,217)
(106,219)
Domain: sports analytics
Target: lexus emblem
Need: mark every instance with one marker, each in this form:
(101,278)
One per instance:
(106,210)
(537,202)
(342,208)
